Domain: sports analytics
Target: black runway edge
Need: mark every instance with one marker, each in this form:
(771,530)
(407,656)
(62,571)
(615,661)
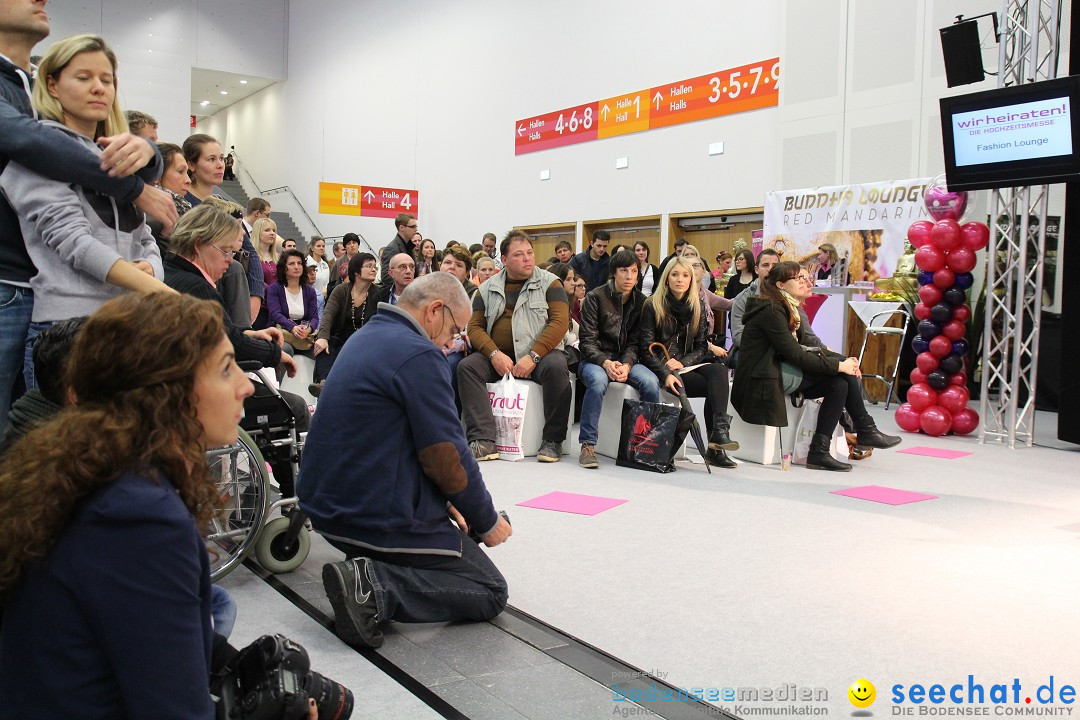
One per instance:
(407,681)
(604,668)
(572,652)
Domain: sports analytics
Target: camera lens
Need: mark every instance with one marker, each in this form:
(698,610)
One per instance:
(335,701)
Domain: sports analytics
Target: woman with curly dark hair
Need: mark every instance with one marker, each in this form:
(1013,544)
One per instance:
(292,302)
(104,577)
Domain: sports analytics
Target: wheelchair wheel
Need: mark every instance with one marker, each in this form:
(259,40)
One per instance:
(240,473)
(270,549)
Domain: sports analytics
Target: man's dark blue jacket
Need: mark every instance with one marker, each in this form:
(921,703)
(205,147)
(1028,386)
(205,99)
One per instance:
(386,450)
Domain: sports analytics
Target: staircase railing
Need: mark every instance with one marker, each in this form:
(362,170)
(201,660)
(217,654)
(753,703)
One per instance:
(239,163)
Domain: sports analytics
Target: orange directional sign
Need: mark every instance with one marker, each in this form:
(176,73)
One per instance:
(734,90)
(366,200)
(624,114)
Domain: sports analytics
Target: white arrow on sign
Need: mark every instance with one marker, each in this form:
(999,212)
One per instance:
(521,129)
(604,112)
(369,196)
(657,98)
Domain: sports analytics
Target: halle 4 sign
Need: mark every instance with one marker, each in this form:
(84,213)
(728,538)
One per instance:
(367,200)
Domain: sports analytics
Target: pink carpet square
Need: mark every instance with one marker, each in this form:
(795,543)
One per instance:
(935,452)
(572,503)
(889,496)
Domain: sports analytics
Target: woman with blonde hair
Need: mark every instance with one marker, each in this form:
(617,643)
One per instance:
(674,317)
(86,247)
(104,575)
(827,257)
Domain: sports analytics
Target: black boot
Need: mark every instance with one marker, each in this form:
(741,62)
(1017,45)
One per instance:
(868,435)
(719,438)
(819,457)
(719,458)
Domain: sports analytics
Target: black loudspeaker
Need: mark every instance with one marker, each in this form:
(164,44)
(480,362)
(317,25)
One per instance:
(963,56)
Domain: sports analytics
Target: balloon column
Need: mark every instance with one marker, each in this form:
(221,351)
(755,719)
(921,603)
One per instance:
(945,255)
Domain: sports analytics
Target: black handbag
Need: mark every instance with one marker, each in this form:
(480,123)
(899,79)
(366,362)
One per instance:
(651,435)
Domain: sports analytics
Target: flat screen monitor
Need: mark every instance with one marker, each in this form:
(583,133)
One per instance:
(1015,136)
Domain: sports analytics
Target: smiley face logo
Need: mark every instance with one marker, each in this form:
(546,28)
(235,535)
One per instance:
(862,693)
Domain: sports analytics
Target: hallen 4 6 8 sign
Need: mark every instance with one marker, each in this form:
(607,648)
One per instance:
(735,90)
(367,200)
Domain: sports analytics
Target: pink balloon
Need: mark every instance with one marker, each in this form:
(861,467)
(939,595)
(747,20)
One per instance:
(945,205)
(928,362)
(953,398)
(974,235)
(907,418)
(921,396)
(959,378)
(961,260)
(940,346)
(954,330)
(931,295)
(962,313)
(946,234)
(930,257)
(919,233)
(935,421)
(965,421)
(922,311)
(944,278)
(917,376)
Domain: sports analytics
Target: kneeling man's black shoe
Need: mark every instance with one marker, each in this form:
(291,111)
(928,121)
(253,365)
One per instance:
(719,458)
(356,616)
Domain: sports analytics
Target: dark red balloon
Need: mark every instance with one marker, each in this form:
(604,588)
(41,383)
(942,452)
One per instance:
(935,421)
(944,278)
(917,376)
(931,294)
(919,233)
(954,330)
(927,362)
(946,235)
(959,378)
(922,311)
(965,421)
(921,396)
(930,257)
(953,398)
(940,346)
(962,313)
(973,235)
(907,418)
(961,260)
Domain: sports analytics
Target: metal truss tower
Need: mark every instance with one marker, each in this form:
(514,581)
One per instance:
(1029,42)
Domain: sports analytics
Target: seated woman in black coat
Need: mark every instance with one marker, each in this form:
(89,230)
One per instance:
(773,333)
(104,577)
(349,307)
(673,316)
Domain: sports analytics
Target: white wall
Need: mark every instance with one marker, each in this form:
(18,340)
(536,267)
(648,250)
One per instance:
(159,41)
(425,94)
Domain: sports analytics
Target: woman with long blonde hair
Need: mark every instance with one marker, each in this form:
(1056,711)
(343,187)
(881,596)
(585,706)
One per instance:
(673,316)
(104,576)
(86,247)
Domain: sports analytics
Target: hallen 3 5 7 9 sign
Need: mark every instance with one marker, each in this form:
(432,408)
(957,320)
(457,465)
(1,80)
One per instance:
(735,90)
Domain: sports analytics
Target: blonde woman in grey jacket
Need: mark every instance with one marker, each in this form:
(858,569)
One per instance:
(87,247)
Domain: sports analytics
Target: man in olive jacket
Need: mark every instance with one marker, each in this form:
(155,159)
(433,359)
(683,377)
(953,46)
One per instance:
(610,326)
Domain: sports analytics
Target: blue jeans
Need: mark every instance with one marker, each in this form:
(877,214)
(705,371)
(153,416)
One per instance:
(35,329)
(16,306)
(222,611)
(410,587)
(596,381)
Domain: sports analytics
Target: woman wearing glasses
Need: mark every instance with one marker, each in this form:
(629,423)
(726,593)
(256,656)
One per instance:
(774,361)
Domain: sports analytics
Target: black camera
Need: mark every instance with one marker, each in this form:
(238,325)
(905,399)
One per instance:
(271,679)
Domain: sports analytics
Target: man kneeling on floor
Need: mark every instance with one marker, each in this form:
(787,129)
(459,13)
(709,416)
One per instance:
(383,489)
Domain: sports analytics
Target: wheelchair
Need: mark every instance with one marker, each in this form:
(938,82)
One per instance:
(268,435)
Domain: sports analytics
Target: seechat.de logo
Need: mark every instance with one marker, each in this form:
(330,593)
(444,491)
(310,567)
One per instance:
(862,693)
